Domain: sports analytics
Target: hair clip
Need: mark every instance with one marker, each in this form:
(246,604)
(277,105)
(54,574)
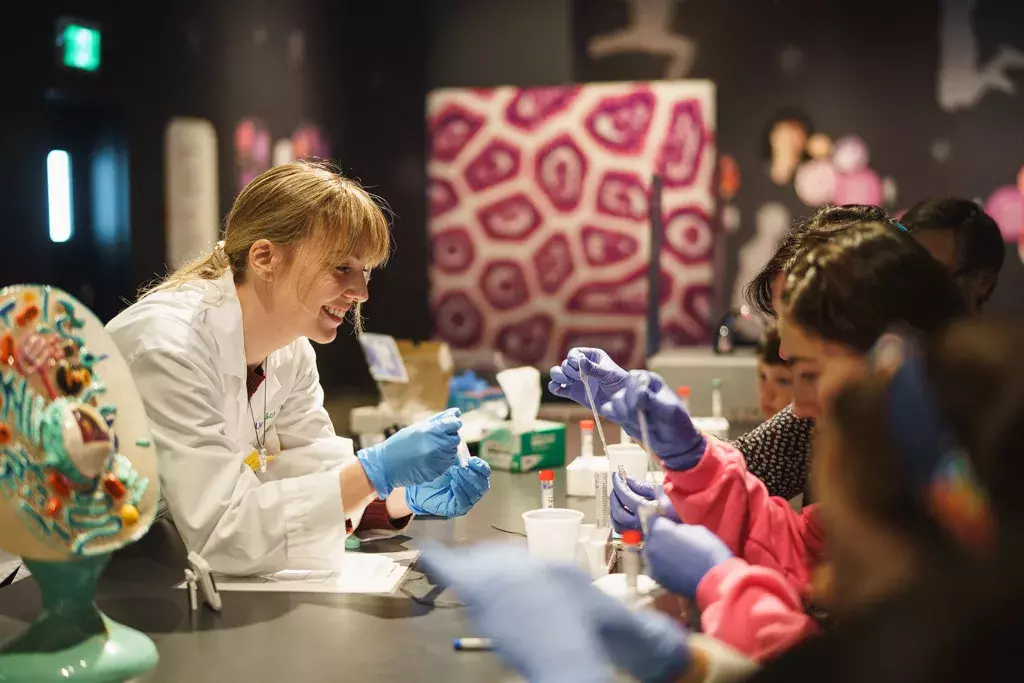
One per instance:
(899,226)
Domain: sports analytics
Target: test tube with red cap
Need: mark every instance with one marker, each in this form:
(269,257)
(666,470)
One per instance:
(586,438)
(684,396)
(547,488)
(631,559)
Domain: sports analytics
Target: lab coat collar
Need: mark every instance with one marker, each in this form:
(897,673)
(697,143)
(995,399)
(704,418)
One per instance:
(226,319)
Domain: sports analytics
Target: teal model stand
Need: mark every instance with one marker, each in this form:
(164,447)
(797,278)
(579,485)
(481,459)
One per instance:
(72,640)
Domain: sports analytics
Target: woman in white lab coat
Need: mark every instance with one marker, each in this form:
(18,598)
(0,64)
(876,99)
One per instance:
(253,474)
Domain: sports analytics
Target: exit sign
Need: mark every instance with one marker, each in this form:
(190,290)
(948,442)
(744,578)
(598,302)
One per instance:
(78,44)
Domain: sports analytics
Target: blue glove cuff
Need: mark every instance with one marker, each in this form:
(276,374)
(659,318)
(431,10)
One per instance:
(688,459)
(369,458)
(410,496)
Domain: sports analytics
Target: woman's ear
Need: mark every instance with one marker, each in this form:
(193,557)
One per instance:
(262,260)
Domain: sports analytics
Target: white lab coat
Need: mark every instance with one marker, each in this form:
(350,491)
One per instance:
(185,350)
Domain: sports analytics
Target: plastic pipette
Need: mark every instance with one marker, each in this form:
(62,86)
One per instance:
(643,382)
(593,409)
(463,454)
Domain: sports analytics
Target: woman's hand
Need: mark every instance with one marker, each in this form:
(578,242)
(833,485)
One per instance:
(454,493)
(627,498)
(679,556)
(673,437)
(603,376)
(550,623)
(414,455)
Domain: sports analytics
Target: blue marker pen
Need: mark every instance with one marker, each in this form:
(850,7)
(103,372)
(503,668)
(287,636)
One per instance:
(472,644)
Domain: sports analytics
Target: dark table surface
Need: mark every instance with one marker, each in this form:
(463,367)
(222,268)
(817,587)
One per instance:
(308,637)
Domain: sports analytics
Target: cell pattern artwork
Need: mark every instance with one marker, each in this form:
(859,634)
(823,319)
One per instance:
(540,218)
(60,465)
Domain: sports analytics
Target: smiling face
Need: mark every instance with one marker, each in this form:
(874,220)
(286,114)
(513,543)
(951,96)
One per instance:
(820,367)
(313,304)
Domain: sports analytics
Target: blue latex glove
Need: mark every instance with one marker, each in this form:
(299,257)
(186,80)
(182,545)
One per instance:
(603,375)
(674,439)
(416,454)
(679,555)
(550,623)
(627,497)
(452,494)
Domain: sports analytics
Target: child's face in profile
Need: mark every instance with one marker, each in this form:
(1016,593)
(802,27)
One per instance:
(820,367)
(774,387)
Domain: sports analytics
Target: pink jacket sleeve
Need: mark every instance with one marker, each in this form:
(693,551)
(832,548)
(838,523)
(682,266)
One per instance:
(753,609)
(719,493)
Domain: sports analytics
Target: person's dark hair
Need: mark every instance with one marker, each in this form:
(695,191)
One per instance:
(818,228)
(973,376)
(769,345)
(979,244)
(978,381)
(866,279)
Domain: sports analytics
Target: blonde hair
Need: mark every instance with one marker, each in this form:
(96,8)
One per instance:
(286,205)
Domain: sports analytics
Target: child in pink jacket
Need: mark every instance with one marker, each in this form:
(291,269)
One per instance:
(749,559)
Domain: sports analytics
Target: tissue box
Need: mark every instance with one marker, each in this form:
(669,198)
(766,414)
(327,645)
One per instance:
(540,447)
(471,400)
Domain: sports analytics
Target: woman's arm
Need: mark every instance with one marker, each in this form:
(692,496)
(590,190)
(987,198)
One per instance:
(222,509)
(778,452)
(720,494)
(753,609)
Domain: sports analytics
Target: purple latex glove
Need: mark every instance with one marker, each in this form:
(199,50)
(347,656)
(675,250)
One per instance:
(550,623)
(674,439)
(678,556)
(626,499)
(603,375)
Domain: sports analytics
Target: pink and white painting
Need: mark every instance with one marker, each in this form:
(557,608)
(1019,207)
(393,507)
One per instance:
(540,216)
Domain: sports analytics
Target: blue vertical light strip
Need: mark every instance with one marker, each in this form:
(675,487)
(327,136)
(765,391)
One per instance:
(58,192)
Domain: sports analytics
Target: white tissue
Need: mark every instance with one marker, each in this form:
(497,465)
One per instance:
(522,391)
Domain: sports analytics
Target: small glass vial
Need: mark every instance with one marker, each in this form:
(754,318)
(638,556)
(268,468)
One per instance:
(586,438)
(716,397)
(631,560)
(684,396)
(547,488)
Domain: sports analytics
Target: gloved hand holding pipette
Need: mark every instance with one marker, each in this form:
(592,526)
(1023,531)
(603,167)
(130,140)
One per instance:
(628,496)
(603,376)
(678,556)
(673,438)
(551,624)
(454,493)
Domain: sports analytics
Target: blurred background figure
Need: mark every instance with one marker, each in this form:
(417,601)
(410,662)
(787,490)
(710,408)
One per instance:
(774,374)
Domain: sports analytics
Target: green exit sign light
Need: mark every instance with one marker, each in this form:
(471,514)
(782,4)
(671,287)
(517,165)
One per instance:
(79,45)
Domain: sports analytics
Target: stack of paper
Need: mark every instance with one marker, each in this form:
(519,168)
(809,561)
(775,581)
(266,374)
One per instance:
(359,573)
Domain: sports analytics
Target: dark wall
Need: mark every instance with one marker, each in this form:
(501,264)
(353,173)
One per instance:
(362,81)
(499,42)
(866,68)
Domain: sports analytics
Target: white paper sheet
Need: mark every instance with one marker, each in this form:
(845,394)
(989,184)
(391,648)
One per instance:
(359,573)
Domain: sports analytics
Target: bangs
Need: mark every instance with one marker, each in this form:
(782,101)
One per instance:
(351,224)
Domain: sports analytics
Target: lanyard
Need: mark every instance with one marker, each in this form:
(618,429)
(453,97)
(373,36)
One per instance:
(261,443)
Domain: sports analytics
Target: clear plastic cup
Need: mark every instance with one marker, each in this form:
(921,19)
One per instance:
(631,456)
(553,533)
